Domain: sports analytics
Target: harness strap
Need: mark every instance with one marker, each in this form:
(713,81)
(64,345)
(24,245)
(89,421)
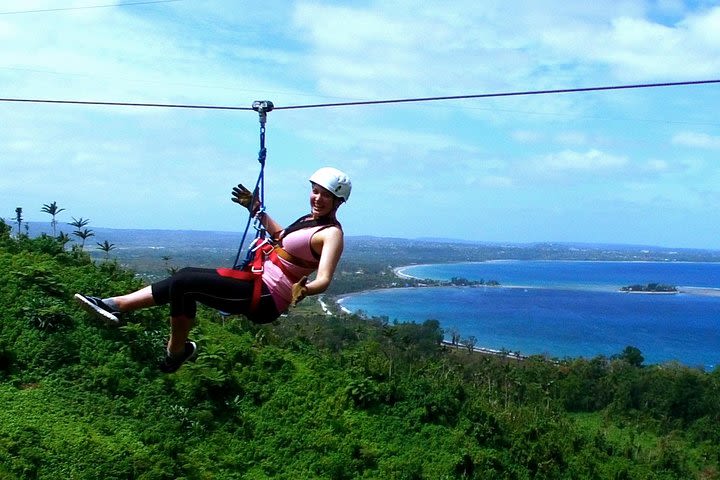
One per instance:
(254,270)
(304,222)
(289,257)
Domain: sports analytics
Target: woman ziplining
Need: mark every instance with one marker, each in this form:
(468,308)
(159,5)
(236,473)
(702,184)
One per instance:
(276,279)
(273,277)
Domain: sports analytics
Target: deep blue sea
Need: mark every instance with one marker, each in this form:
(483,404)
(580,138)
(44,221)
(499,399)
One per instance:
(567,309)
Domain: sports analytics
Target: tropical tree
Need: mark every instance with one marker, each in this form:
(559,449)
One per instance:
(84,235)
(63,238)
(470,343)
(53,210)
(18,218)
(106,247)
(454,336)
(632,355)
(5,229)
(79,223)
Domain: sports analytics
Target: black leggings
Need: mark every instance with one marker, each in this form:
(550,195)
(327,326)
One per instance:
(191,285)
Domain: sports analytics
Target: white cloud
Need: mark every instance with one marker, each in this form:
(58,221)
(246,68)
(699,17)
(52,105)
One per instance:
(591,161)
(157,167)
(697,140)
(350,29)
(395,48)
(493,181)
(527,136)
(117,55)
(658,166)
(572,138)
(19,145)
(638,48)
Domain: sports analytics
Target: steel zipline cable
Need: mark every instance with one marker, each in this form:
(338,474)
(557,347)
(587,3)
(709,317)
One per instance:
(122,104)
(64,9)
(504,94)
(375,102)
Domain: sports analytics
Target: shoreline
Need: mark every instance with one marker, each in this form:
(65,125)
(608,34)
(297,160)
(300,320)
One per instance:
(486,351)
(687,290)
(401,273)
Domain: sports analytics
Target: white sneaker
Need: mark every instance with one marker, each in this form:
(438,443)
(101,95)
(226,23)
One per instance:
(96,307)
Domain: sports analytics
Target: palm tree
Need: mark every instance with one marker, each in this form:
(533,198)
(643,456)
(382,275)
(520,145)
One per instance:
(53,210)
(106,247)
(79,223)
(63,238)
(18,218)
(84,234)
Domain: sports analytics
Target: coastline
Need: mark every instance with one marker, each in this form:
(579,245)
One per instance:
(486,351)
(400,271)
(687,290)
(444,342)
(405,281)
(323,305)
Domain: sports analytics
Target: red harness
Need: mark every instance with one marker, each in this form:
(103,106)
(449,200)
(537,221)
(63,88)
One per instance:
(253,271)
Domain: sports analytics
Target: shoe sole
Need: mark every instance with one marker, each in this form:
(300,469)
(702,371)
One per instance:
(193,356)
(95,311)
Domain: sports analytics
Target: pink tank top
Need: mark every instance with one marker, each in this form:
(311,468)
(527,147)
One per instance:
(297,244)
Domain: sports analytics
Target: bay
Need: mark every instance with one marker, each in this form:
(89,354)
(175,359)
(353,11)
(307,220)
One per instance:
(567,309)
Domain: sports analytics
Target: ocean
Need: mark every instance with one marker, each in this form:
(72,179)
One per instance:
(566,309)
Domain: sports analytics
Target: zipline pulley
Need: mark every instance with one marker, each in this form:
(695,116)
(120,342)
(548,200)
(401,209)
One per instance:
(263,107)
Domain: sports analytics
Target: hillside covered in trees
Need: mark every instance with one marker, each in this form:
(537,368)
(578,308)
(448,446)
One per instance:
(316,396)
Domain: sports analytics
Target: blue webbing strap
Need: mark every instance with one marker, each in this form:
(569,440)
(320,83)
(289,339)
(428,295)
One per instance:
(262,107)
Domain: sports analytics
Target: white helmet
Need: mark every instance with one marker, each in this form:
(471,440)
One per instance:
(332,179)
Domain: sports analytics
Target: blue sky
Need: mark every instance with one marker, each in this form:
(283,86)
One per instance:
(631,166)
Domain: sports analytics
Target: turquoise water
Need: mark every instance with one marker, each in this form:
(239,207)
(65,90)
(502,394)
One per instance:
(567,309)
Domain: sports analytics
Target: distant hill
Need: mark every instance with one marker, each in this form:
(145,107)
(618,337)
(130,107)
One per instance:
(141,237)
(153,252)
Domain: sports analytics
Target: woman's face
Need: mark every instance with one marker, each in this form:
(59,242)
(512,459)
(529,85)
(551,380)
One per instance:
(322,202)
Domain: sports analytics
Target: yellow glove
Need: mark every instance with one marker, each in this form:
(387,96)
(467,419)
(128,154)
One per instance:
(247,199)
(299,291)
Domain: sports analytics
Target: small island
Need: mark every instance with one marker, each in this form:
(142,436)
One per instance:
(650,288)
(464,282)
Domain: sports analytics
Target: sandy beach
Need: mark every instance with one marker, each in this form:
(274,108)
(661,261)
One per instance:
(400,272)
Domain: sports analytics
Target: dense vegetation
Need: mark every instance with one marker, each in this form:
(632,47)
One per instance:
(316,396)
(651,288)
